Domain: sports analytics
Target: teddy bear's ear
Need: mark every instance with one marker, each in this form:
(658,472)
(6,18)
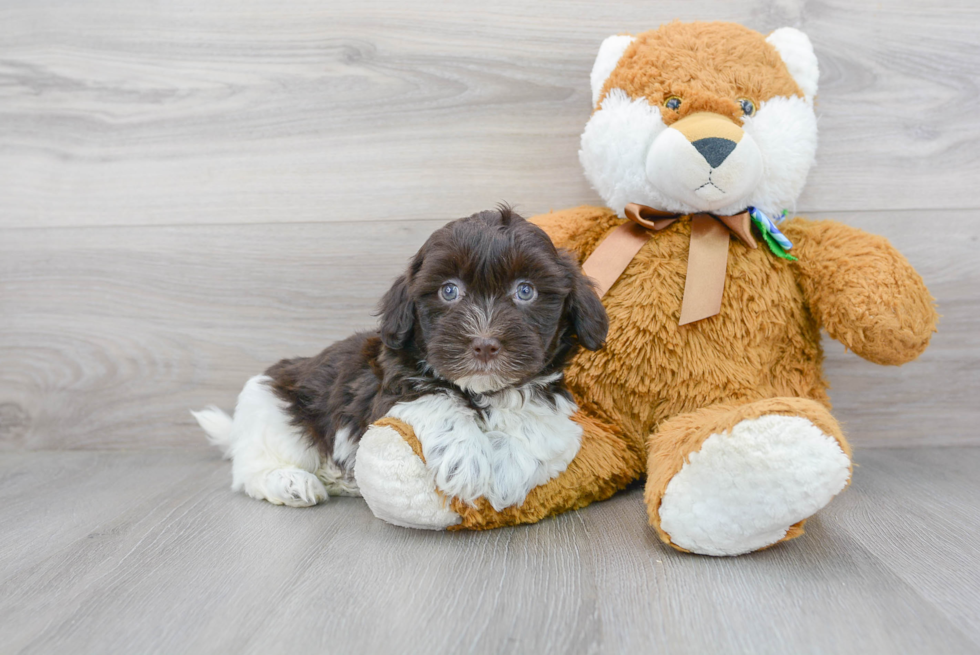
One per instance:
(605,62)
(796,51)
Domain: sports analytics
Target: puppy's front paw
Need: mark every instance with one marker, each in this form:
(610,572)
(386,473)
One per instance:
(395,482)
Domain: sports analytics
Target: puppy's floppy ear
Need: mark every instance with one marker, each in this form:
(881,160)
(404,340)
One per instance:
(585,310)
(397,311)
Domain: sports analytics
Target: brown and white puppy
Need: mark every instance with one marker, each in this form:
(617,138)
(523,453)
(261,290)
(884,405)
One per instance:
(470,352)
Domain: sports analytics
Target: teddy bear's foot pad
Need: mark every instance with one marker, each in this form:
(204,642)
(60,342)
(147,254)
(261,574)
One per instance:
(745,488)
(396,484)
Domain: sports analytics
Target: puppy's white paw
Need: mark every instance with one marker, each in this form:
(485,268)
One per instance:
(744,489)
(289,486)
(397,485)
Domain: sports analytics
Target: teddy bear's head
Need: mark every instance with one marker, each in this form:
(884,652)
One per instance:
(702,117)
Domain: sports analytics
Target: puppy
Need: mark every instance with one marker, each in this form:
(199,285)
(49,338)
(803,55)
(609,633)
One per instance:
(472,342)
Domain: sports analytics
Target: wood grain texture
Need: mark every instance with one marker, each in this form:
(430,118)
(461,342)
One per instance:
(259,111)
(178,563)
(110,335)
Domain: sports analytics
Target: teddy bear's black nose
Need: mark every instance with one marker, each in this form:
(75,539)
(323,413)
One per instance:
(714,149)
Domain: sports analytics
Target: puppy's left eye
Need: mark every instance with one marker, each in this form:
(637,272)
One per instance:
(525,292)
(748,107)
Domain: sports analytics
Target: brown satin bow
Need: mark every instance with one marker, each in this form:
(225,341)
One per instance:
(706,261)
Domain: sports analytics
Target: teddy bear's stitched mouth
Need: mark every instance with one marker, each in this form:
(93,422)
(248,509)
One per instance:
(710,183)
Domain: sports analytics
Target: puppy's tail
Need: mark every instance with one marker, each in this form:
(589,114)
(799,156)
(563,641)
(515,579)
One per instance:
(217,425)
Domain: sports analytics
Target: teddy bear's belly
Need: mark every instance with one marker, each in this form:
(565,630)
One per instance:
(763,343)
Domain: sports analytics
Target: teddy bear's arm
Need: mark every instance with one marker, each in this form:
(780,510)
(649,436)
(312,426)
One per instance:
(393,478)
(863,291)
(577,229)
(605,464)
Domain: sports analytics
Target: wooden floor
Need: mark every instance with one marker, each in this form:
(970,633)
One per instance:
(140,552)
(193,189)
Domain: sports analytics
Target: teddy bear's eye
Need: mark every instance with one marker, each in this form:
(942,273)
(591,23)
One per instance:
(673,103)
(748,107)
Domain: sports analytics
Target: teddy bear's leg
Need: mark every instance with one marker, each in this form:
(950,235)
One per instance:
(396,484)
(731,479)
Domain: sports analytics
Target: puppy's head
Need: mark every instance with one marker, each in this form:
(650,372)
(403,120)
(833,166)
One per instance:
(489,302)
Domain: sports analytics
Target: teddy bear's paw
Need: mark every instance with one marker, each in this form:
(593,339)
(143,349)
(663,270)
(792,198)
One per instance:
(397,485)
(744,489)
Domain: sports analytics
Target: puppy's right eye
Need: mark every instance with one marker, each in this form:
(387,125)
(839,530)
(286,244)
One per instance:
(449,292)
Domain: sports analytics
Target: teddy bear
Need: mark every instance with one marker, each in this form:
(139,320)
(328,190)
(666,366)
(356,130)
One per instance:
(710,384)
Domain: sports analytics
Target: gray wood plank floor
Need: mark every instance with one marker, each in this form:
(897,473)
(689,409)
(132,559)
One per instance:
(150,552)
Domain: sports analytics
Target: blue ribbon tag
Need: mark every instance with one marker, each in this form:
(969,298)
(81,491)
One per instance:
(776,240)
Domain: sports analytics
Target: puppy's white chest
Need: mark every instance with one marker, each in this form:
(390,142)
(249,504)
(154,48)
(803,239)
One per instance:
(516,444)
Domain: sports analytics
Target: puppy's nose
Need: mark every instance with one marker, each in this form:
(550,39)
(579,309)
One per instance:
(485,349)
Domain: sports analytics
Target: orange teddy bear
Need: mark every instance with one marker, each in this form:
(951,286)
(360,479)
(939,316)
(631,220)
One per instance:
(711,381)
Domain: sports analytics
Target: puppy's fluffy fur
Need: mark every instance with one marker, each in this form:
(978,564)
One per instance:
(470,352)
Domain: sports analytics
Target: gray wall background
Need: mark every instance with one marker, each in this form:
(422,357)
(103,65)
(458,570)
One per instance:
(189,191)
